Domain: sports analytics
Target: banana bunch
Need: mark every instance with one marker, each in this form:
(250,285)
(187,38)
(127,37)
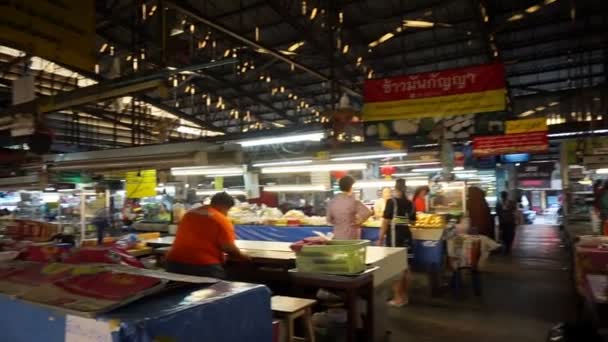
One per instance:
(429,221)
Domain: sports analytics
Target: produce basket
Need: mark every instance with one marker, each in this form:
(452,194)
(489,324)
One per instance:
(431,234)
(336,257)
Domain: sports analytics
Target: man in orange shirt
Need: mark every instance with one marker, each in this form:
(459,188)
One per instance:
(203,236)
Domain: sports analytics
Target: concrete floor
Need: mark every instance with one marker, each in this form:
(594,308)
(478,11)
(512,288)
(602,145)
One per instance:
(524,295)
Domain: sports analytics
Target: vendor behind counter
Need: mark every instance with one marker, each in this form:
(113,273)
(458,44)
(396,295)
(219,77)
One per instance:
(204,235)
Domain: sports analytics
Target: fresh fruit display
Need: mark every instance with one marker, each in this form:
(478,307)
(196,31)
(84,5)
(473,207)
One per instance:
(429,221)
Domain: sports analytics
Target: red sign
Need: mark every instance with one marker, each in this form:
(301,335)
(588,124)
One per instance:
(510,143)
(449,92)
(441,83)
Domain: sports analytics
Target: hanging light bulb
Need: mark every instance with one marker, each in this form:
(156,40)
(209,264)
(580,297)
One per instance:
(142,54)
(341,17)
(304,7)
(202,44)
(144,12)
(209,101)
(112,50)
(192,90)
(370,74)
(292,67)
(268,79)
(191,28)
(313,13)
(295,97)
(227,53)
(103,47)
(175,82)
(135,64)
(234,53)
(282,89)
(345,49)
(97,68)
(187,90)
(359,60)
(257,34)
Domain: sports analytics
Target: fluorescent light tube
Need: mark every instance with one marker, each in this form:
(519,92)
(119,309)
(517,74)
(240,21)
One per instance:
(366,184)
(284,139)
(202,170)
(225,175)
(421,163)
(213,192)
(315,168)
(418,23)
(410,175)
(287,162)
(370,156)
(294,188)
(430,169)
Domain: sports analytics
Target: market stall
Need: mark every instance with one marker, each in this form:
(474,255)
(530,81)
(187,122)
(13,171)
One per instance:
(224,312)
(104,294)
(274,263)
(290,234)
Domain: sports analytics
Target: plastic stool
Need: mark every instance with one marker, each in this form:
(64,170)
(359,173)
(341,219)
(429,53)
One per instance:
(292,308)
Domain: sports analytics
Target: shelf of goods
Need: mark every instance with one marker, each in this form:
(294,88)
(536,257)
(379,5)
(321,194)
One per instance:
(448,198)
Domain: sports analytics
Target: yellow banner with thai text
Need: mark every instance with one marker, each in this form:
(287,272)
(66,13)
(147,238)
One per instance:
(525,126)
(449,105)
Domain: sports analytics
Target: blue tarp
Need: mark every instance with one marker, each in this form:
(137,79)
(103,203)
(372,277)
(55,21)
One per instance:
(222,312)
(290,234)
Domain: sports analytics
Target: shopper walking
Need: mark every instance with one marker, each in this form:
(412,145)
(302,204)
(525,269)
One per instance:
(507,212)
(479,212)
(347,213)
(395,232)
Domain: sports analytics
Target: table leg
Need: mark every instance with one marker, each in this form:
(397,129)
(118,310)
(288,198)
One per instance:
(369,321)
(309,328)
(290,329)
(351,306)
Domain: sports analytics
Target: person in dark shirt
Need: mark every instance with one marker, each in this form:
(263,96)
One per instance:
(506,211)
(395,232)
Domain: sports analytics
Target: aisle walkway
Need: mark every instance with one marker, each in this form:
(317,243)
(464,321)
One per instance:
(524,295)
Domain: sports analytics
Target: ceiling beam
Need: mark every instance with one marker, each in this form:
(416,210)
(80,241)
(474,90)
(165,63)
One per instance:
(195,14)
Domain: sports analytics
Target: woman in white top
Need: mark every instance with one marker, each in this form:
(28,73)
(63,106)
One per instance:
(380,203)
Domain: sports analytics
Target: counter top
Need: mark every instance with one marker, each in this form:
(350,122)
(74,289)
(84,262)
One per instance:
(281,250)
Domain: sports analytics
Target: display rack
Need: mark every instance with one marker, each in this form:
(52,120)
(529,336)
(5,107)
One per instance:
(78,209)
(448,198)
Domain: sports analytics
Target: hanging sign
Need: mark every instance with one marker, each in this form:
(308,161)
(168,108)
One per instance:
(510,143)
(526,126)
(449,92)
(141,184)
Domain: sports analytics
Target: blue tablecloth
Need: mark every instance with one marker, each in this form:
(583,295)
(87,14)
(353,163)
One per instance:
(223,312)
(290,234)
